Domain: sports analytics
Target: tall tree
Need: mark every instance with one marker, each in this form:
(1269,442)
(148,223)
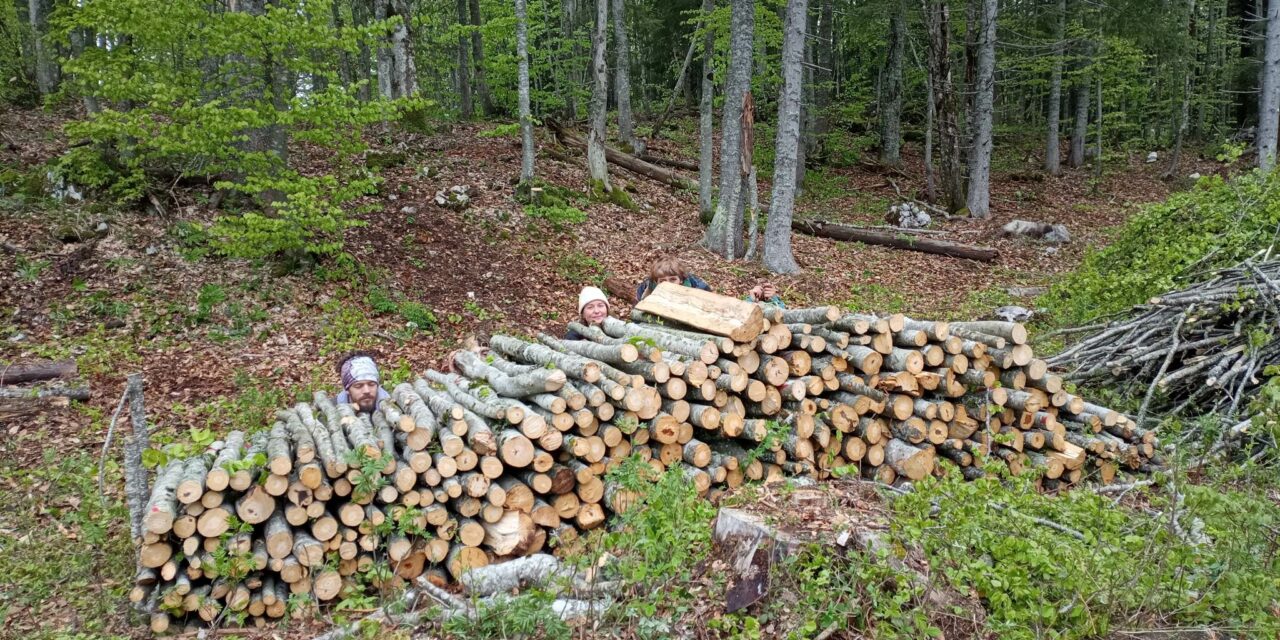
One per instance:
(1269,96)
(599,101)
(526,116)
(938,20)
(1052,155)
(706,118)
(397,74)
(777,234)
(891,109)
(622,78)
(1080,98)
(984,114)
(47,70)
(464,72)
(477,61)
(824,78)
(724,236)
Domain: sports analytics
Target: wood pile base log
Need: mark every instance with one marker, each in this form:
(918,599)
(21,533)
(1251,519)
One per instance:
(509,454)
(895,240)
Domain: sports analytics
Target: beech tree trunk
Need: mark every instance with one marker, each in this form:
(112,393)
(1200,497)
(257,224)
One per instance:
(1080,130)
(464,74)
(777,236)
(596,162)
(381,11)
(938,18)
(984,114)
(724,236)
(1052,155)
(526,116)
(622,80)
(477,61)
(706,120)
(1269,95)
(824,80)
(681,83)
(891,108)
(47,70)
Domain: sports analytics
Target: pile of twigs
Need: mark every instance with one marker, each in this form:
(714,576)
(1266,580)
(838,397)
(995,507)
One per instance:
(1200,350)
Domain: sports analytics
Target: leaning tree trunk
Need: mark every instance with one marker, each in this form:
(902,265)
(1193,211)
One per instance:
(938,19)
(477,61)
(1052,155)
(622,80)
(891,109)
(984,114)
(46,63)
(526,116)
(596,162)
(706,119)
(777,235)
(724,236)
(464,74)
(1269,96)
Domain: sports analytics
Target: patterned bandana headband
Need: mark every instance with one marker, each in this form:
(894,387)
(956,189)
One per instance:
(359,369)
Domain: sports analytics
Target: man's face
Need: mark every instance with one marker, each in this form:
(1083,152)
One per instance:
(364,393)
(595,312)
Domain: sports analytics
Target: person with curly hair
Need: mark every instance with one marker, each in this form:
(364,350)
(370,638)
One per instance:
(361,381)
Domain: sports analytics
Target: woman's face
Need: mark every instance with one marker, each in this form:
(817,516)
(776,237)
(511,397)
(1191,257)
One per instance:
(595,312)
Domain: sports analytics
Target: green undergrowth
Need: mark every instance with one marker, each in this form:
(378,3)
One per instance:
(1217,223)
(1133,568)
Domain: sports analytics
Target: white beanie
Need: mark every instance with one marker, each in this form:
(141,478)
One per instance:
(589,295)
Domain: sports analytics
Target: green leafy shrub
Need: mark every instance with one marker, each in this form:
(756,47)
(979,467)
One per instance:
(1129,569)
(1217,223)
(164,120)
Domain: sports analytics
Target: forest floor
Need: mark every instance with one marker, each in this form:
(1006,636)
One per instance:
(223,342)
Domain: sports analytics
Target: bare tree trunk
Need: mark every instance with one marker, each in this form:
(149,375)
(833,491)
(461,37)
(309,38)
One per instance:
(406,72)
(984,114)
(345,75)
(1184,117)
(622,80)
(891,108)
(464,74)
(381,11)
(1097,158)
(937,17)
(826,64)
(567,27)
(526,116)
(1052,155)
(80,39)
(930,177)
(724,236)
(777,235)
(477,61)
(706,119)
(596,163)
(1269,96)
(806,102)
(1081,128)
(364,57)
(681,84)
(46,64)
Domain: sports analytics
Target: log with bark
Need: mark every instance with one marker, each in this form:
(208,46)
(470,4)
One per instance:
(896,240)
(625,160)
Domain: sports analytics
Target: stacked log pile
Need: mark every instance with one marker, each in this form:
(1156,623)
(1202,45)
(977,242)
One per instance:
(459,470)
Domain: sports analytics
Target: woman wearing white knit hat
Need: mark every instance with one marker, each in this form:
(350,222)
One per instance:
(593,308)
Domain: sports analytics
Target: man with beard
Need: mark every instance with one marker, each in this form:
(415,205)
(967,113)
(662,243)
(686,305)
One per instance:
(360,382)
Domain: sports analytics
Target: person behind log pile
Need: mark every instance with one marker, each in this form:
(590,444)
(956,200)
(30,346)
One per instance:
(593,308)
(670,269)
(361,382)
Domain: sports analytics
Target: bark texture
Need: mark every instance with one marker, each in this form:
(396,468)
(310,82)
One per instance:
(984,114)
(724,236)
(777,237)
